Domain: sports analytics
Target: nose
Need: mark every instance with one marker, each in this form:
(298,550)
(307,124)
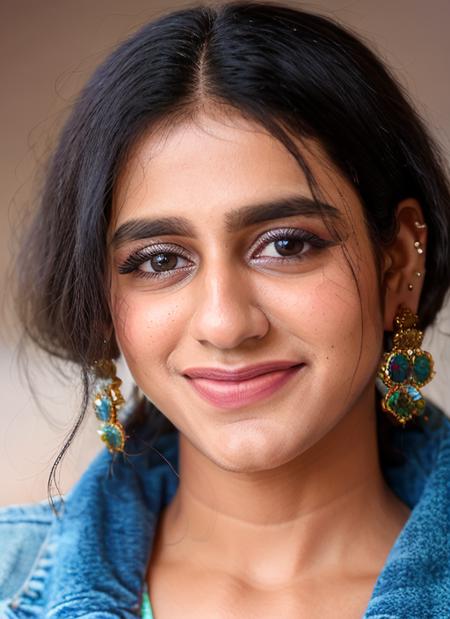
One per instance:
(228,310)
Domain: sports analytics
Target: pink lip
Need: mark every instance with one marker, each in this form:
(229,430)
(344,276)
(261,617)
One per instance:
(239,373)
(231,394)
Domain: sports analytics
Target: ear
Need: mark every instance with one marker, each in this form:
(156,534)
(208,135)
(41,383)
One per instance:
(404,261)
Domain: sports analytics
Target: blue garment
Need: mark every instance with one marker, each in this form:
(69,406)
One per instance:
(91,562)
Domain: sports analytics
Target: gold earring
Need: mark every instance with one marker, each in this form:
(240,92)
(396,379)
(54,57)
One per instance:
(405,368)
(107,400)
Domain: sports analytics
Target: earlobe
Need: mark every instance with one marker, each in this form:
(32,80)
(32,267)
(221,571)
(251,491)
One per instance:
(404,261)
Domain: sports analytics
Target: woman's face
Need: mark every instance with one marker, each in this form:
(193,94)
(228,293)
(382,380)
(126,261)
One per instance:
(229,288)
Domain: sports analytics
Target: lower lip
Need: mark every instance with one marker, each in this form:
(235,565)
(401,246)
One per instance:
(237,393)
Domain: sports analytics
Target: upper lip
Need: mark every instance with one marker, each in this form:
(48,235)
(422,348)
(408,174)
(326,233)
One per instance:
(239,373)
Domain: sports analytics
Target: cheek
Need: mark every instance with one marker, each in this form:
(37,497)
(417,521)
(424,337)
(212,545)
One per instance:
(147,329)
(347,325)
(327,306)
(337,323)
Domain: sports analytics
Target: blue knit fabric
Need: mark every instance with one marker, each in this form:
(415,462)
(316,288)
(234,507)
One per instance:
(92,561)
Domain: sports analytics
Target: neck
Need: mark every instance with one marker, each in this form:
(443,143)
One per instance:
(321,511)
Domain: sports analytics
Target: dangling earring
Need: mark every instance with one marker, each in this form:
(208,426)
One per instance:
(405,368)
(107,400)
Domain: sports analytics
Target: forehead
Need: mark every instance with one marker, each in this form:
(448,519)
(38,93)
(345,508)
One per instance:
(206,167)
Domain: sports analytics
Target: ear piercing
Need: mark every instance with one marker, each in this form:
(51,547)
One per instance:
(418,244)
(411,286)
(419,249)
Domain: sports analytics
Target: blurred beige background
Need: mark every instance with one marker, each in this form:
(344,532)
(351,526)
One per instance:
(48,50)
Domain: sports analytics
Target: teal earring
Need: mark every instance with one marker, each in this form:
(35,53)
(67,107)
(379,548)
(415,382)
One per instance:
(405,369)
(107,400)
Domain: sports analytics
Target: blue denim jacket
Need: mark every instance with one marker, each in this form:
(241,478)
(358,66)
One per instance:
(91,562)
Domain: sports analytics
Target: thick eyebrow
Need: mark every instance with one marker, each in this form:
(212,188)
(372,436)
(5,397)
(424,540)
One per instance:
(236,219)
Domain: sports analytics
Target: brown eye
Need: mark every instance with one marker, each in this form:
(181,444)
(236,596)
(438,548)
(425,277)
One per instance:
(289,247)
(155,261)
(161,262)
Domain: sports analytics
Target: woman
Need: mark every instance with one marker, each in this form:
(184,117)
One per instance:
(245,206)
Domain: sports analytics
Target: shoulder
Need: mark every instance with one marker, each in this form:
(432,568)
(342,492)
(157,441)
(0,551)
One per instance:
(422,454)
(23,535)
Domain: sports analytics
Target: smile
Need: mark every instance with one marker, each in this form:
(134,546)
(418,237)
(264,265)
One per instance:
(230,394)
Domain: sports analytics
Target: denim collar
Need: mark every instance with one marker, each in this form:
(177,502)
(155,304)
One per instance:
(105,535)
(415,580)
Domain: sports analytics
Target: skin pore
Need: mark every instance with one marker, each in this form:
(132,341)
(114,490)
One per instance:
(281,510)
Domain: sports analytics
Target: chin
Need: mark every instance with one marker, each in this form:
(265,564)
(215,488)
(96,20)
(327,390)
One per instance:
(258,447)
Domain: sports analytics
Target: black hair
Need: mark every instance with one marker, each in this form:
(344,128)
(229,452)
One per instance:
(291,71)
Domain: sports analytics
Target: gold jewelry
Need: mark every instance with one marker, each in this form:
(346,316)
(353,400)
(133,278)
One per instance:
(405,368)
(107,400)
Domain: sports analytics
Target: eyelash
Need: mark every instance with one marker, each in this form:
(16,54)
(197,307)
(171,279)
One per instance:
(135,260)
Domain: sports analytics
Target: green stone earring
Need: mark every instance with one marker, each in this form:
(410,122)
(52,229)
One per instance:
(405,369)
(107,400)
